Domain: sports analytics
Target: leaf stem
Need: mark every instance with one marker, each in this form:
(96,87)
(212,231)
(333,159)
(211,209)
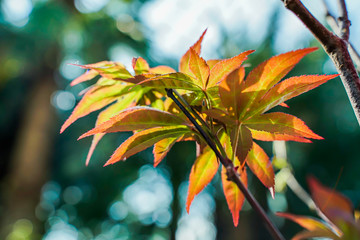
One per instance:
(231,171)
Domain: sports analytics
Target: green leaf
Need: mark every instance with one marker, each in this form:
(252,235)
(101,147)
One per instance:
(112,70)
(278,122)
(95,99)
(144,139)
(226,66)
(172,80)
(136,118)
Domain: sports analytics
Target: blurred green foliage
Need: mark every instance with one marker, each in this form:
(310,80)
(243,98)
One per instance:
(100,203)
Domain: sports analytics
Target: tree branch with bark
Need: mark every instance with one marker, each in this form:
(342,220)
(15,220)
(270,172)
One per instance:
(337,47)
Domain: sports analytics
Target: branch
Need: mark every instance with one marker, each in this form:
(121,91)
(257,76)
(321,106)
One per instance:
(231,171)
(344,22)
(331,20)
(336,48)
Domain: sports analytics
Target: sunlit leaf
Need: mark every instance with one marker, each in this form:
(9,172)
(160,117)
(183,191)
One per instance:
(136,118)
(230,91)
(112,70)
(267,74)
(184,61)
(290,88)
(140,65)
(226,66)
(234,197)
(212,62)
(199,68)
(144,139)
(161,70)
(95,99)
(105,115)
(278,122)
(172,80)
(260,165)
(267,136)
(202,172)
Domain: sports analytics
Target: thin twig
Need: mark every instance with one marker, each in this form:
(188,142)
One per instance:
(331,20)
(344,22)
(231,171)
(337,50)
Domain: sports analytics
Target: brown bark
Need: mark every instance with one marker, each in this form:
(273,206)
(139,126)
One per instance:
(335,47)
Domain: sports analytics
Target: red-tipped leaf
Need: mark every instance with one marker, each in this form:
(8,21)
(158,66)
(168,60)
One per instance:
(202,172)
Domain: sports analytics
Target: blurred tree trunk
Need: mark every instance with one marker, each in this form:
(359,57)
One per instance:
(28,167)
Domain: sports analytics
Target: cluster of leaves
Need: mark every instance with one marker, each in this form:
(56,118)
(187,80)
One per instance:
(227,104)
(337,212)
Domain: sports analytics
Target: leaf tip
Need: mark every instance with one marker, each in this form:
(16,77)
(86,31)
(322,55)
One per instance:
(272,192)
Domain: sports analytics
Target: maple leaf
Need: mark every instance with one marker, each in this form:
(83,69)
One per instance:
(219,95)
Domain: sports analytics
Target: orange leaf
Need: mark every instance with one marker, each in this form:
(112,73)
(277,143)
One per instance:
(95,99)
(136,118)
(260,165)
(184,61)
(317,228)
(144,139)
(199,68)
(290,88)
(330,202)
(230,91)
(266,136)
(202,172)
(234,197)
(212,62)
(267,74)
(220,115)
(161,70)
(282,123)
(226,66)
